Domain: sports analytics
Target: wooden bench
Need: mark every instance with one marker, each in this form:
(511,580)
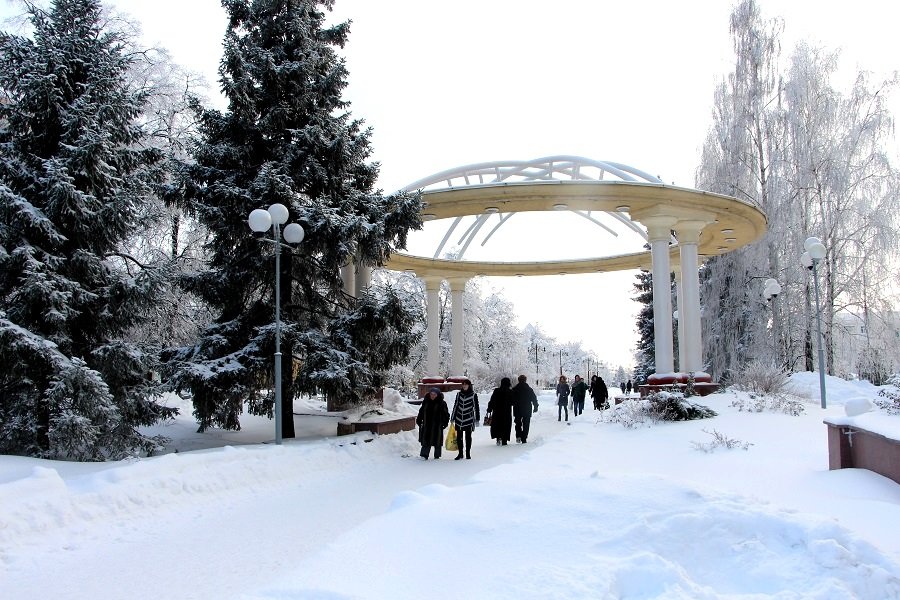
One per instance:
(852,446)
(378,427)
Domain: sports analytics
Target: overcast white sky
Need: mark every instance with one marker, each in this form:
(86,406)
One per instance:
(452,83)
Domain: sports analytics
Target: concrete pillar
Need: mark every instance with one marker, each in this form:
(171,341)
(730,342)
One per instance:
(432,320)
(348,276)
(688,233)
(457,337)
(363,277)
(659,229)
(679,300)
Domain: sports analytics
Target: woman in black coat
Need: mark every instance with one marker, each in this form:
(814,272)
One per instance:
(600,394)
(500,409)
(562,395)
(433,418)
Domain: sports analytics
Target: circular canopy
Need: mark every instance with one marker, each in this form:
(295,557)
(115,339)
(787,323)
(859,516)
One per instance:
(561,183)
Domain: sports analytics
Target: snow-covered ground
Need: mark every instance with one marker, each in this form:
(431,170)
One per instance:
(591,510)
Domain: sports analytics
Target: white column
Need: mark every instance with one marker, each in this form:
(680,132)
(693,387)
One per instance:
(688,233)
(679,299)
(363,277)
(457,339)
(432,317)
(348,276)
(659,233)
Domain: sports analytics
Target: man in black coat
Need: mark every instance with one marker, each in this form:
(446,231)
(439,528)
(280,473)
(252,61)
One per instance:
(433,418)
(524,399)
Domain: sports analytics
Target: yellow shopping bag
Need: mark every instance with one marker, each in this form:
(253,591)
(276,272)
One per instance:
(451,444)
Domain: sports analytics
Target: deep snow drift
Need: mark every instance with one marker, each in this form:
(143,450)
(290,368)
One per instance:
(591,510)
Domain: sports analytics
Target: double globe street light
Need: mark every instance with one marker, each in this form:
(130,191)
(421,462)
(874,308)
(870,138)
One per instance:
(261,221)
(815,251)
(771,290)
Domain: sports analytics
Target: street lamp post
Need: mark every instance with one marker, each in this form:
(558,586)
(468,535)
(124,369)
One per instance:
(771,291)
(815,251)
(260,221)
(560,361)
(537,372)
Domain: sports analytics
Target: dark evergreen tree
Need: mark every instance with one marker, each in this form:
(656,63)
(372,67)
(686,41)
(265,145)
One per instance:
(72,177)
(287,137)
(645,353)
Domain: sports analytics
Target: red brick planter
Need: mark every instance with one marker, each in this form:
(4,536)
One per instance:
(850,446)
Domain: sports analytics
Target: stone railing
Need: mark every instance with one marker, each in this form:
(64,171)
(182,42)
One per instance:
(868,440)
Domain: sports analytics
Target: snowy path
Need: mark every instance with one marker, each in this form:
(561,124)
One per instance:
(219,542)
(594,510)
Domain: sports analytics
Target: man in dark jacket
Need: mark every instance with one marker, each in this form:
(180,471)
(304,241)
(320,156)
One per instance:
(433,418)
(579,389)
(524,399)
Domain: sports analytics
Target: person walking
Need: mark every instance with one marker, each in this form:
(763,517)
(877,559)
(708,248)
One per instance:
(432,419)
(500,410)
(622,386)
(628,387)
(524,399)
(562,398)
(466,415)
(591,391)
(601,394)
(579,390)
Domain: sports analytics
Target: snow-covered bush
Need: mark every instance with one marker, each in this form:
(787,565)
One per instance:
(761,378)
(782,403)
(720,440)
(665,406)
(630,414)
(889,399)
(662,406)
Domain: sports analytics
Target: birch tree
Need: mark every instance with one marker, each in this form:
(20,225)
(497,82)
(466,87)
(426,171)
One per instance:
(741,157)
(845,186)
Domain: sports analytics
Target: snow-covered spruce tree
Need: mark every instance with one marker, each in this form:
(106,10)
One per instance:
(645,353)
(72,177)
(287,137)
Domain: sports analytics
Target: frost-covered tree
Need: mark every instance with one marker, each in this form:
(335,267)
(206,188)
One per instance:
(74,175)
(814,159)
(493,341)
(844,183)
(287,137)
(742,157)
(169,232)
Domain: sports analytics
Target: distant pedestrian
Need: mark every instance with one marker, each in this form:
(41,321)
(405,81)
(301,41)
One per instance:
(562,398)
(524,399)
(466,414)
(579,390)
(628,387)
(432,419)
(500,410)
(622,385)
